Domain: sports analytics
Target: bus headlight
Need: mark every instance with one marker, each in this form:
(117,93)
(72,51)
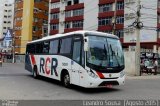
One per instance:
(92,74)
(122,73)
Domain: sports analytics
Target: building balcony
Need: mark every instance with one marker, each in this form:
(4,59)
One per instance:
(53,32)
(18,23)
(38,33)
(17,32)
(19,14)
(72,29)
(74,18)
(41,5)
(55,10)
(105,28)
(120,13)
(158,25)
(101,2)
(119,26)
(158,11)
(54,21)
(19,5)
(41,15)
(74,7)
(106,14)
(55,1)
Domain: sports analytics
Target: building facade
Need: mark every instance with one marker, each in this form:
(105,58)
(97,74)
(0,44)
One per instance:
(6,21)
(71,15)
(30,21)
(112,16)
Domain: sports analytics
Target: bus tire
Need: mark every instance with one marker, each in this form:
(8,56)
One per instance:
(66,79)
(35,73)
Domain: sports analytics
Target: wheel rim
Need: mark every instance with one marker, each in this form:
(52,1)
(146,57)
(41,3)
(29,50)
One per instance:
(66,80)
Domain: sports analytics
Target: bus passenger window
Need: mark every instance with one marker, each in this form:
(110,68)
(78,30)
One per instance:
(66,46)
(54,47)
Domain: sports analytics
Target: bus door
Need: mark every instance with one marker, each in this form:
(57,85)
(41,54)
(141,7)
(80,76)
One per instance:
(76,59)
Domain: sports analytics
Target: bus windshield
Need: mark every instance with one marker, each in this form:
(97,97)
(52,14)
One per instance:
(104,53)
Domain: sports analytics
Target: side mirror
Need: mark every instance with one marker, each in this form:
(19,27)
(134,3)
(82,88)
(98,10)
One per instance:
(86,46)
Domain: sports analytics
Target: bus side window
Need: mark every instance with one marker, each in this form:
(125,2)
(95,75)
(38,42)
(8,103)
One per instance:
(30,49)
(46,47)
(65,47)
(54,47)
(39,47)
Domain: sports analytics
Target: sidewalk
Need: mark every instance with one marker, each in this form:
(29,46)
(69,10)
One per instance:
(144,76)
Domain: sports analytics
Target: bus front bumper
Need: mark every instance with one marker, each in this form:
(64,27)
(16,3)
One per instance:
(98,83)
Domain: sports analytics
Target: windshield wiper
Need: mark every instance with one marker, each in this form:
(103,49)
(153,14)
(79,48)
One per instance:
(113,53)
(103,55)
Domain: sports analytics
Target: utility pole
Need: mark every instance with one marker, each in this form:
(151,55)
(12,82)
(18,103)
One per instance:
(138,27)
(114,20)
(13,48)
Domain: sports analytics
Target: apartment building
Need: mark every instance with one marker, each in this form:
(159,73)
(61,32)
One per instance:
(71,15)
(6,21)
(30,21)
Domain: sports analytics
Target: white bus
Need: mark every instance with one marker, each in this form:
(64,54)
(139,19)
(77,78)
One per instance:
(85,58)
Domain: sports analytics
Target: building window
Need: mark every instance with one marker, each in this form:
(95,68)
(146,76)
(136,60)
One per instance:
(55,16)
(105,21)
(119,33)
(76,1)
(55,5)
(35,28)
(37,0)
(68,14)
(78,12)
(54,26)
(105,8)
(67,25)
(120,20)
(45,22)
(120,6)
(35,19)
(69,2)
(81,1)
(77,24)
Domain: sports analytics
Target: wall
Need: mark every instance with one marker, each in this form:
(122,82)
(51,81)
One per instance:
(129,62)
(91,14)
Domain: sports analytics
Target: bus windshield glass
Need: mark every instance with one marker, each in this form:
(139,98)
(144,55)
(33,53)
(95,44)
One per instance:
(104,52)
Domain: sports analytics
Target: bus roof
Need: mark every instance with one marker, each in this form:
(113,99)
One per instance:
(75,32)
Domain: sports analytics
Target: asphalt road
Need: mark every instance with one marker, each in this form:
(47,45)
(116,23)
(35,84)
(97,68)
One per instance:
(17,84)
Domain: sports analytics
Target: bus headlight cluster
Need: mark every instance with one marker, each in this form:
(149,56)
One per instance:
(122,73)
(92,74)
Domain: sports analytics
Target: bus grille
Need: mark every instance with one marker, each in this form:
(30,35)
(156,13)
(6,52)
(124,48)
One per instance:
(105,83)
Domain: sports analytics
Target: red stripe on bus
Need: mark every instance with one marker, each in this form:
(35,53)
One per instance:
(33,60)
(100,75)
